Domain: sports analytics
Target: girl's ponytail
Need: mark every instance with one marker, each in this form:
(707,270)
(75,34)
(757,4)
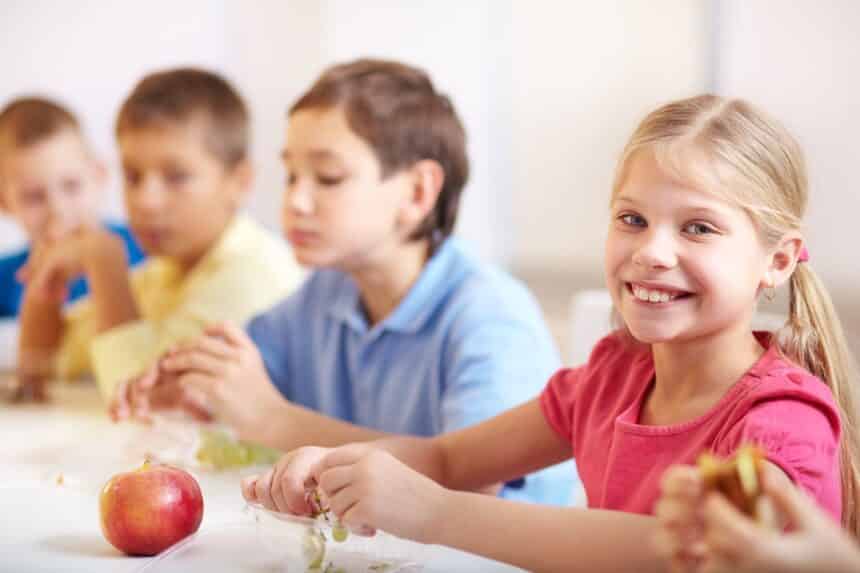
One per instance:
(813,338)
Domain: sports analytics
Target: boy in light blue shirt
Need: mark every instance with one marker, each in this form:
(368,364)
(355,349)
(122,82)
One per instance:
(399,330)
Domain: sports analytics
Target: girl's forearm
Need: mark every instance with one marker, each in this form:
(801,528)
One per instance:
(545,538)
(424,455)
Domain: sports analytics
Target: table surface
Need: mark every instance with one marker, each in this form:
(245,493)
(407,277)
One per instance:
(54,459)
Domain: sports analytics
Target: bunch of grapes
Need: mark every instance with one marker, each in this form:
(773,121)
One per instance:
(219,450)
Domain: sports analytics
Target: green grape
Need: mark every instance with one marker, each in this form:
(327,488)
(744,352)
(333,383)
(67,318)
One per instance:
(339,533)
(220,451)
(314,548)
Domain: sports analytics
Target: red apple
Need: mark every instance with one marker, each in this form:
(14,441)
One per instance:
(145,511)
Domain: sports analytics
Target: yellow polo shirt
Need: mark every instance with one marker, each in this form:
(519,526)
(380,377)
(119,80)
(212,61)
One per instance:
(248,270)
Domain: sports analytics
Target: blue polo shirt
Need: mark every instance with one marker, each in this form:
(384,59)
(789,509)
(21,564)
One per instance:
(11,291)
(466,343)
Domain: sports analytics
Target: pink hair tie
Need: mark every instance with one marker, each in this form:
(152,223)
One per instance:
(804,256)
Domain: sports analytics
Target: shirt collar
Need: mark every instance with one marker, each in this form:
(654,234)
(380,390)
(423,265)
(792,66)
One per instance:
(441,273)
(233,237)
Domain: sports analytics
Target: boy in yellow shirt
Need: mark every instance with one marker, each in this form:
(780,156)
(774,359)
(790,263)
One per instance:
(183,138)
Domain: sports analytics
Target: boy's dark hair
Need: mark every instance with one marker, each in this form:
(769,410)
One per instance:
(29,120)
(184,95)
(396,109)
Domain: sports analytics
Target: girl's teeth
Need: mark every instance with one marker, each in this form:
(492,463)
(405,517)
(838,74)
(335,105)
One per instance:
(652,295)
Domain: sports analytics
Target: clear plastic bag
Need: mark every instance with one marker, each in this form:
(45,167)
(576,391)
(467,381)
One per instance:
(275,542)
(180,441)
(314,540)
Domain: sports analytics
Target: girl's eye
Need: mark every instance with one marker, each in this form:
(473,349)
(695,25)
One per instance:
(632,220)
(699,229)
(291,179)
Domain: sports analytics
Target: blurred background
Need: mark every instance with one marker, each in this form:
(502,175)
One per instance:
(549,91)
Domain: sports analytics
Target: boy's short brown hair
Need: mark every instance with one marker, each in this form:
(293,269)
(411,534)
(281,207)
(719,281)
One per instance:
(27,121)
(184,95)
(396,109)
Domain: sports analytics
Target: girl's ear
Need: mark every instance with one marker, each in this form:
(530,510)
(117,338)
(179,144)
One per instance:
(783,259)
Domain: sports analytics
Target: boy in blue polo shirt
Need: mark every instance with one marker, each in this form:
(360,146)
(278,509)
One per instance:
(399,330)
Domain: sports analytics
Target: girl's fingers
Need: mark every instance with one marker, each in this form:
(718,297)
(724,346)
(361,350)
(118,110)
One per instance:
(343,456)
(288,488)
(278,496)
(684,481)
(332,481)
(263,491)
(345,506)
(675,511)
(249,488)
(793,503)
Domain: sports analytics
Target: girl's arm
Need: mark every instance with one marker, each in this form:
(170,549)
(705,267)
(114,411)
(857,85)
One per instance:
(544,538)
(370,489)
(510,445)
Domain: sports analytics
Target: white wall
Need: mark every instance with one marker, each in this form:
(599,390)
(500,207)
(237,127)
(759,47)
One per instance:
(546,89)
(801,64)
(88,54)
(274,51)
(456,42)
(586,72)
(278,48)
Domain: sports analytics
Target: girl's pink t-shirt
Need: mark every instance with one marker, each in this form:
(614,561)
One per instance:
(786,410)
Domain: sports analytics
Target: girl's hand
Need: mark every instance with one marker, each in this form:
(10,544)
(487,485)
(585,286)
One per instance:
(815,543)
(679,538)
(284,488)
(369,489)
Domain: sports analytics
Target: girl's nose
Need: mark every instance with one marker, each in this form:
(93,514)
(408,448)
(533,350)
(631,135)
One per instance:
(656,251)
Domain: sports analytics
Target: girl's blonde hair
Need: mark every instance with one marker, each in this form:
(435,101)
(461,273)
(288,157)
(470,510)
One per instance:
(730,147)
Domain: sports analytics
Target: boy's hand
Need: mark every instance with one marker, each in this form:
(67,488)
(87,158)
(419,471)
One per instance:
(58,259)
(815,543)
(28,389)
(224,368)
(151,391)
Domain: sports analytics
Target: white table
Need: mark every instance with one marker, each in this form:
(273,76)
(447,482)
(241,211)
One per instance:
(48,526)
